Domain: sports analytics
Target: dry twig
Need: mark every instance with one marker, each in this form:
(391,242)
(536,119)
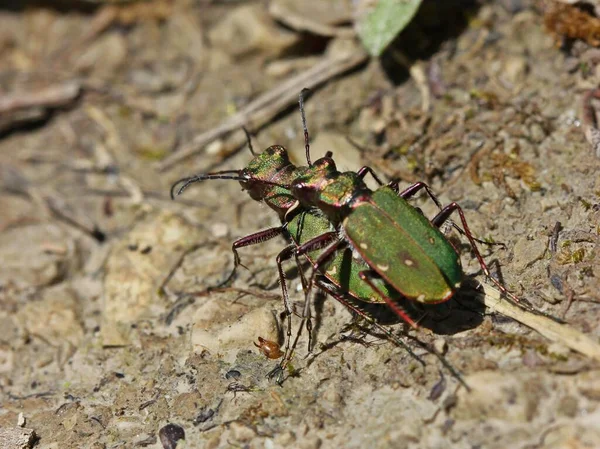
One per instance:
(303,23)
(50,97)
(556,332)
(260,111)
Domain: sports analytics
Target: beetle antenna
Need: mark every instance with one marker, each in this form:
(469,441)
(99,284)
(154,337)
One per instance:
(249,140)
(226,174)
(304,92)
(233,175)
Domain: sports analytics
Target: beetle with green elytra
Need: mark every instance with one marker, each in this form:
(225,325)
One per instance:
(397,243)
(304,227)
(340,272)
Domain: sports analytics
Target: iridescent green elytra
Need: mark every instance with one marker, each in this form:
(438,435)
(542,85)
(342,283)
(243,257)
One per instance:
(408,252)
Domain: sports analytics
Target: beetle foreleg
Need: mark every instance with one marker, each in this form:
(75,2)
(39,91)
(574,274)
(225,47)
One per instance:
(316,243)
(362,172)
(249,240)
(284,255)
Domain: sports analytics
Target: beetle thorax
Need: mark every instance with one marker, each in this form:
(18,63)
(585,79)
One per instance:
(336,198)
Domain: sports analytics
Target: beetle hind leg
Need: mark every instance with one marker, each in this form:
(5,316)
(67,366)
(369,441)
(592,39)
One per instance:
(367,277)
(412,190)
(441,218)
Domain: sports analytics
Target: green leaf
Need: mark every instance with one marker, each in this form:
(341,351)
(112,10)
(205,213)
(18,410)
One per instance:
(380,25)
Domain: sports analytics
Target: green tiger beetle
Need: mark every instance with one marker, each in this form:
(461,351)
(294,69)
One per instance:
(402,254)
(340,273)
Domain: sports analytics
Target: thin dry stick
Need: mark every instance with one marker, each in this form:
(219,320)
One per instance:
(556,332)
(589,119)
(268,105)
(302,23)
(50,97)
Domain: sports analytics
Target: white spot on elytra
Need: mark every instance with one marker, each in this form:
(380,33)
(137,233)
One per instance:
(421,298)
(364,246)
(383,267)
(409,262)
(333,271)
(457,285)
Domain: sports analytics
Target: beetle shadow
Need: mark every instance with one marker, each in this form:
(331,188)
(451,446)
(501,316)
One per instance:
(462,312)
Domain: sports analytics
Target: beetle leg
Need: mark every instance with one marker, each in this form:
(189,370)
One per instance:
(313,244)
(366,276)
(320,242)
(283,256)
(249,240)
(440,218)
(343,301)
(391,336)
(362,172)
(413,189)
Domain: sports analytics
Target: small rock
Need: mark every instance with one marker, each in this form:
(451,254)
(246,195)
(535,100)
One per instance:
(527,252)
(568,406)
(515,69)
(170,434)
(133,277)
(233,374)
(16,438)
(241,432)
(231,331)
(104,56)
(55,318)
(537,133)
(36,255)
(332,394)
(214,148)
(285,438)
(531,359)
(310,443)
(440,346)
(219,230)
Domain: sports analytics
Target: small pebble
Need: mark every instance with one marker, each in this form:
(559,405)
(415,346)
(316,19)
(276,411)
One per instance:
(219,230)
(204,415)
(440,346)
(310,443)
(241,432)
(233,374)
(214,147)
(170,434)
(285,438)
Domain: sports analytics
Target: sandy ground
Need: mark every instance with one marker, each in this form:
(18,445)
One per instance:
(107,332)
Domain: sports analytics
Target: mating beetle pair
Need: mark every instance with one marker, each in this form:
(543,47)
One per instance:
(365,246)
